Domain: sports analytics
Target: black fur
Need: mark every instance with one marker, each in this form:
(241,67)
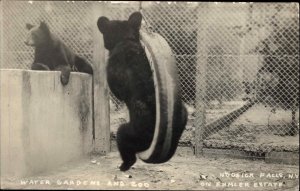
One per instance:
(52,54)
(130,79)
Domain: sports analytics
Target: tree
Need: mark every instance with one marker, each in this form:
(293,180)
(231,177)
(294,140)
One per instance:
(277,82)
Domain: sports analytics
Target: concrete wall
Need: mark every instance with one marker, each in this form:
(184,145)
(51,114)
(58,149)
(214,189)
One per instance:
(43,124)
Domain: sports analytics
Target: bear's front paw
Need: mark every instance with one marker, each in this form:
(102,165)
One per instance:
(64,79)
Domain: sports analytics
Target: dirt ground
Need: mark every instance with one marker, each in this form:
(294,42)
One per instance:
(184,171)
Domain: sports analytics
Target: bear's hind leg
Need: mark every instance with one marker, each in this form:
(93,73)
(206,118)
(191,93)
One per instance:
(127,146)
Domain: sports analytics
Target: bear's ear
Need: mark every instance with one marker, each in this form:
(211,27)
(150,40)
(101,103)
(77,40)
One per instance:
(102,24)
(44,27)
(135,20)
(29,26)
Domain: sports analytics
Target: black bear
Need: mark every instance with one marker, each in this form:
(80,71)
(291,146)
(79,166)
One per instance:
(52,54)
(130,79)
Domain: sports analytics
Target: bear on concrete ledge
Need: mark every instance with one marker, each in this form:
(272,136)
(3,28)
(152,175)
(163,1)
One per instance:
(52,54)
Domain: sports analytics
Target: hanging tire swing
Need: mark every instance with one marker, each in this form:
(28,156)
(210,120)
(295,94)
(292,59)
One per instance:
(167,96)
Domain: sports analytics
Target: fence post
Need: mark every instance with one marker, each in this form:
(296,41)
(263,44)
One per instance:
(201,78)
(1,33)
(101,95)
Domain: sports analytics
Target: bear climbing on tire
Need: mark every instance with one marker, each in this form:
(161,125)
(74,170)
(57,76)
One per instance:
(130,79)
(52,54)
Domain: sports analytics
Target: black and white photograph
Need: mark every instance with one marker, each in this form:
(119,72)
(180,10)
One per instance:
(149,95)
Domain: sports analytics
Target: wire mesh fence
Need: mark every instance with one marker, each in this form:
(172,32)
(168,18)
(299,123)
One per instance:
(238,63)
(70,21)
(251,55)
(1,32)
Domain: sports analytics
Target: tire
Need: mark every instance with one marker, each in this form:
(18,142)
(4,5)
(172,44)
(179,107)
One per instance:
(167,95)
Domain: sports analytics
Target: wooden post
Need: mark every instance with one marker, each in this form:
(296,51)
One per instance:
(101,95)
(201,79)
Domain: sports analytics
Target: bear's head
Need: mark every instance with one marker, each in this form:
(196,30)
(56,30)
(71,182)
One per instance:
(116,31)
(37,35)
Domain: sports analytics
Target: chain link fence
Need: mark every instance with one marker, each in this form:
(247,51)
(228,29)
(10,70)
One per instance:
(69,21)
(238,63)
(250,56)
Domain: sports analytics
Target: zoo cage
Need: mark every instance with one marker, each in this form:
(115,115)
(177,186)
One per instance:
(238,64)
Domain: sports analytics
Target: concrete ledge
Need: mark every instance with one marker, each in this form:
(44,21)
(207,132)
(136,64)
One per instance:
(290,158)
(43,124)
(232,153)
